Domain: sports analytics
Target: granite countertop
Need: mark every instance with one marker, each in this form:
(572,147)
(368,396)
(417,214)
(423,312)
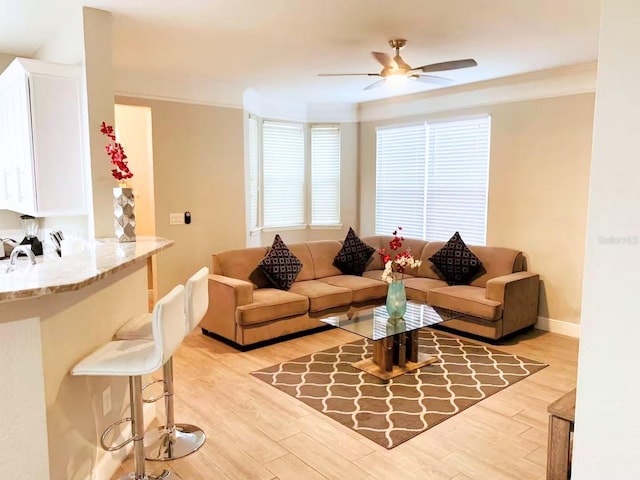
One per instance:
(101,258)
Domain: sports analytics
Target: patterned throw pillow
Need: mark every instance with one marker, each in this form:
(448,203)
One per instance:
(456,262)
(352,259)
(280,265)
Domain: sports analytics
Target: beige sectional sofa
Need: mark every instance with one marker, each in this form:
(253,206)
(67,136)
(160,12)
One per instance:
(245,309)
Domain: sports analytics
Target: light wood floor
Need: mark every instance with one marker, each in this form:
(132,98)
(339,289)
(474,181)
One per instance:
(257,432)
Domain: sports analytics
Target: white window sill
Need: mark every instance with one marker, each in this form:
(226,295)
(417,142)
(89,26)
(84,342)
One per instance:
(337,226)
(295,227)
(283,229)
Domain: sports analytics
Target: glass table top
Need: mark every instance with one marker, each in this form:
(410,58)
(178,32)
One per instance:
(374,323)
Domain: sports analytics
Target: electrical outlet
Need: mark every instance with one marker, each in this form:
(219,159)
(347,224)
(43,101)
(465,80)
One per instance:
(176,219)
(106,401)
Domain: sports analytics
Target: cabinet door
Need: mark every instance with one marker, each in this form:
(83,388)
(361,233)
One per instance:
(4,148)
(16,161)
(57,144)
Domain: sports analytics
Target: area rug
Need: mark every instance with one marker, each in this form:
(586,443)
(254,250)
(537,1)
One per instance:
(394,411)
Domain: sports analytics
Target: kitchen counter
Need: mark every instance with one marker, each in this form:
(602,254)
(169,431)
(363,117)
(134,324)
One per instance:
(52,315)
(100,259)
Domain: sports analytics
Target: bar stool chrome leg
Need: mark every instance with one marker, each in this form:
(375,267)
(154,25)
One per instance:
(174,440)
(137,430)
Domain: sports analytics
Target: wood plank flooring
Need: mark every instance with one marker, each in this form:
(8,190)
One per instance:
(257,432)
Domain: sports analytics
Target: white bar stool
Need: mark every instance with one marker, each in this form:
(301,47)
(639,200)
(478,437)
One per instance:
(134,358)
(173,440)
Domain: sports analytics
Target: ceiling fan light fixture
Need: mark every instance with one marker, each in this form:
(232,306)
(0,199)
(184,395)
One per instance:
(395,71)
(396,78)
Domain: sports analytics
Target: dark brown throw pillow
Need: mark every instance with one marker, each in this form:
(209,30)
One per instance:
(280,265)
(354,255)
(456,263)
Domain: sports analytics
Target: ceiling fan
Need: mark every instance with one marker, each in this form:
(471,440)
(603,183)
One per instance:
(397,69)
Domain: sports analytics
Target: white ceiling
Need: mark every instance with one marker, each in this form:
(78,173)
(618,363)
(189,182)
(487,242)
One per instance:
(277,47)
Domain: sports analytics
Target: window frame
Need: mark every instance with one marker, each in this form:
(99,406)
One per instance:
(308,181)
(427,124)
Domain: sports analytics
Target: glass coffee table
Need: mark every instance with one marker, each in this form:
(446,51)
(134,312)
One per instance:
(395,340)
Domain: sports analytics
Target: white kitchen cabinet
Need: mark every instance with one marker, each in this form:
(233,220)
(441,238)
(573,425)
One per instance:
(41,155)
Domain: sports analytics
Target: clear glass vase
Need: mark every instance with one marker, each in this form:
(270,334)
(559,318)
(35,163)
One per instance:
(396,299)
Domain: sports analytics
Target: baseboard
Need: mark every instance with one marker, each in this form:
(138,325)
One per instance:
(107,466)
(558,326)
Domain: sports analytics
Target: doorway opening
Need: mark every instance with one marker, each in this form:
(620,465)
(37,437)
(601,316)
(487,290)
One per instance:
(134,130)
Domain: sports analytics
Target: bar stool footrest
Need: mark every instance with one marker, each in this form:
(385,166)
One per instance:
(111,427)
(155,399)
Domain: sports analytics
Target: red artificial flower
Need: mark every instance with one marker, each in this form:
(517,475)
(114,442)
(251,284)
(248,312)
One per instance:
(395,244)
(116,153)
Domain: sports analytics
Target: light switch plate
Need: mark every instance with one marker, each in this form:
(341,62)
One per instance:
(176,219)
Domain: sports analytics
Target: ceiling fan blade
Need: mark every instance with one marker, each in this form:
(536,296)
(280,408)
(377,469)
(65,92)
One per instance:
(432,79)
(451,65)
(347,74)
(382,58)
(374,85)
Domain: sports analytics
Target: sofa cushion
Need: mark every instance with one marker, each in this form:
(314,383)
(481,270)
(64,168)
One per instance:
(362,288)
(301,251)
(376,261)
(280,265)
(465,299)
(354,255)
(427,269)
(457,263)
(271,304)
(242,264)
(321,295)
(322,254)
(377,275)
(413,245)
(417,288)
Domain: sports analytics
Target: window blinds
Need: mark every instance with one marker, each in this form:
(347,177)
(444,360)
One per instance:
(325,175)
(283,174)
(433,180)
(457,178)
(400,180)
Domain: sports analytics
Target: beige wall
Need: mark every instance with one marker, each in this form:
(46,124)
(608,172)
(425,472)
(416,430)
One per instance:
(538,182)
(9,220)
(198,167)
(538,192)
(5,60)
(98,77)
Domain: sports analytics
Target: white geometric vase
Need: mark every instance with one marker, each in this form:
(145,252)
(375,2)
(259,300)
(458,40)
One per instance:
(124,216)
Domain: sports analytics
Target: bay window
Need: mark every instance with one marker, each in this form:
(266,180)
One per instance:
(294,174)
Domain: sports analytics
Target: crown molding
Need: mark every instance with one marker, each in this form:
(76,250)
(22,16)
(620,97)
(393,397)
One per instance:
(161,98)
(176,88)
(572,80)
(293,111)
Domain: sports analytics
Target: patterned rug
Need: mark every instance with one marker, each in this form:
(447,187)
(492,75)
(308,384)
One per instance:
(392,412)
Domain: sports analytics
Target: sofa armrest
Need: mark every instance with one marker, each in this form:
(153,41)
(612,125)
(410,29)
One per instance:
(518,293)
(225,295)
(241,290)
